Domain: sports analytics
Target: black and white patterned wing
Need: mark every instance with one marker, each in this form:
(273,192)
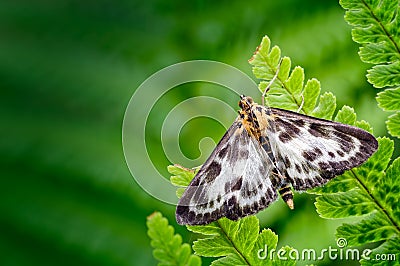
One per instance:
(310,151)
(234,181)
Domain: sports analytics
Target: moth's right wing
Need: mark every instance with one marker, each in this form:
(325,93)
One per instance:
(234,181)
(310,151)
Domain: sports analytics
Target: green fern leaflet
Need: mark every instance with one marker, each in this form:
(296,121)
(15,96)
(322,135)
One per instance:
(168,247)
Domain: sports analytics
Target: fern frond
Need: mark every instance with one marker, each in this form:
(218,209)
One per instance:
(168,247)
(288,90)
(376,26)
(238,243)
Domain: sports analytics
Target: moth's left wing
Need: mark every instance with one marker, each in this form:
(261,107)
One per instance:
(234,181)
(310,151)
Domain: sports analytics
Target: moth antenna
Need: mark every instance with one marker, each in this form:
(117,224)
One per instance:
(302,103)
(271,82)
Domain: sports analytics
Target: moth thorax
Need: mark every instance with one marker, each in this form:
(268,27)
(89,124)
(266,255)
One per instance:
(250,124)
(262,115)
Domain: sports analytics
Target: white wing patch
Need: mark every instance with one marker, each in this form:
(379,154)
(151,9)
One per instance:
(233,182)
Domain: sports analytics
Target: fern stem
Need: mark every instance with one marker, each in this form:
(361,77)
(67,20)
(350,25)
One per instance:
(285,87)
(381,208)
(282,82)
(233,244)
(382,26)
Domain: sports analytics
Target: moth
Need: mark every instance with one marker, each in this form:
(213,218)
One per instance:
(268,151)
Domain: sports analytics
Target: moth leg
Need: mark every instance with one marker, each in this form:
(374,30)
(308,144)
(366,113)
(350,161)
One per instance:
(271,82)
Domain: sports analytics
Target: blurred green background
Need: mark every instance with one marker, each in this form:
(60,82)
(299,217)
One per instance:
(67,71)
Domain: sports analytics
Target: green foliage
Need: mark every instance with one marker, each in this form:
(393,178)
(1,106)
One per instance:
(346,115)
(181,177)
(239,242)
(288,90)
(389,100)
(376,27)
(168,247)
(393,124)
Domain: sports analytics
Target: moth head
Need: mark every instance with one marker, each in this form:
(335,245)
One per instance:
(245,102)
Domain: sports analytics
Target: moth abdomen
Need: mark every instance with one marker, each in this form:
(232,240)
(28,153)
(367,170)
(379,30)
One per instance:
(287,195)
